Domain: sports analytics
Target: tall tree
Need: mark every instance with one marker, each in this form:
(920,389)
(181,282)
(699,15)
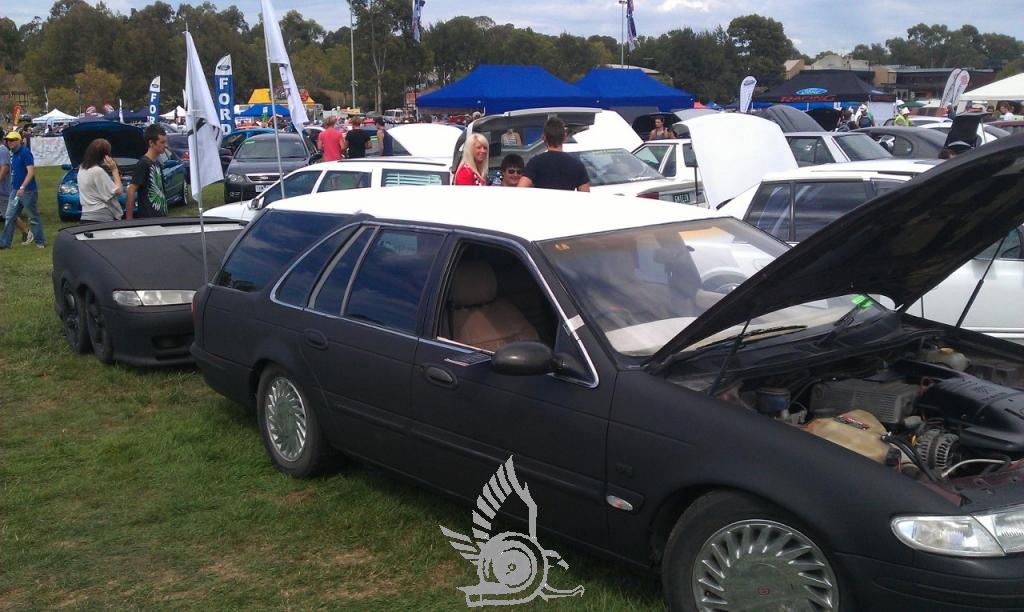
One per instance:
(761,46)
(98,86)
(456,45)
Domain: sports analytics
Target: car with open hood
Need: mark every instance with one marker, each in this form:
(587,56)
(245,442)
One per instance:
(786,442)
(127,145)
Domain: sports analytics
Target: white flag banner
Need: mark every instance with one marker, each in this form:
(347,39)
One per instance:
(276,52)
(747,93)
(201,123)
(295,108)
(947,93)
(962,81)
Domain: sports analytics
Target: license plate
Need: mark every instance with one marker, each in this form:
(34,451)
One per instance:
(260,188)
(681,198)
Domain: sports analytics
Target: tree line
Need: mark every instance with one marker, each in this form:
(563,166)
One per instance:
(83,55)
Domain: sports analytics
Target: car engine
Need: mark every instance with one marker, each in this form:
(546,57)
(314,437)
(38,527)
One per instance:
(930,412)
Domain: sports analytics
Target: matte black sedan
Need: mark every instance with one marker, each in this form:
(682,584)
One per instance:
(908,142)
(124,289)
(254,166)
(787,445)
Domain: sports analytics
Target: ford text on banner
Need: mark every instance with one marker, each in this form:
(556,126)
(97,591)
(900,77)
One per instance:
(154,100)
(201,121)
(224,88)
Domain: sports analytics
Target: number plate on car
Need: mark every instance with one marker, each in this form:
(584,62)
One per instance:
(681,198)
(260,188)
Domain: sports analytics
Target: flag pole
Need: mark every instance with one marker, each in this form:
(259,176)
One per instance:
(273,118)
(194,135)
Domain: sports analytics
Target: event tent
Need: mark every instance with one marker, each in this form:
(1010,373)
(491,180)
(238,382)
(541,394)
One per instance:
(174,114)
(259,110)
(54,116)
(497,89)
(1010,88)
(813,88)
(618,87)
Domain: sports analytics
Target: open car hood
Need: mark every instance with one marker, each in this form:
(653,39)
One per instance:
(965,129)
(125,140)
(734,152)
(433,140)
(900,245)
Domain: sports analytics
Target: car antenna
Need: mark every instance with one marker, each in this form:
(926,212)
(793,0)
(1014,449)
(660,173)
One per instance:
(981,281)
(728,358)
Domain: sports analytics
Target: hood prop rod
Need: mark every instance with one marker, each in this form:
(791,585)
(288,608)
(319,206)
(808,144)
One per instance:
(713,390)
(981,282)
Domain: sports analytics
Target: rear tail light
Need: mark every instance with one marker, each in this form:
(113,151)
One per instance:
(184,156)
(653,195)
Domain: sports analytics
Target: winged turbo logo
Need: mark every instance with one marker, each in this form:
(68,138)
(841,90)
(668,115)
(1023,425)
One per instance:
(512,567)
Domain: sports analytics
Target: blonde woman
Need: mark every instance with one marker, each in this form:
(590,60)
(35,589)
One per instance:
(473,169)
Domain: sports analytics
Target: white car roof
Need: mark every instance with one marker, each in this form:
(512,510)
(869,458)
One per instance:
(369,163)
(531,214)
(832,174)
(893,165)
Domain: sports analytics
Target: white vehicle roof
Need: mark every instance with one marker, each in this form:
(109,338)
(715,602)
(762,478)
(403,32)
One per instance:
(368,163)
(531,214)
(894,165)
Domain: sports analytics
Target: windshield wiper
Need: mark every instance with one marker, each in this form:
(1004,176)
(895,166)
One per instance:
(740,339)
(846,320)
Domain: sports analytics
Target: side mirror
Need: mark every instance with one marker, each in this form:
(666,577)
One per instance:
(525,358)
(225,152)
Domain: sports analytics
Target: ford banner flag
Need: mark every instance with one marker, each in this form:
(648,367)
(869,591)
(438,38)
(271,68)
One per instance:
(154,100)
(224,92)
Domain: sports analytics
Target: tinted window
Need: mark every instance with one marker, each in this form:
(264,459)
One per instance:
(389,284)
(340,181)
(652,155)
(300,183)
(271,243)
(860,147)
(394,178)
(331,292)
(769,210)
(1011,248)
(614,166)
(815,205)
(810,150)
(265,148)
(902,147)
(295,288)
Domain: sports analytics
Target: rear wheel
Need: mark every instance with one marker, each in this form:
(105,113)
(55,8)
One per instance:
(731,551)
(73,319)
(99,335)
(289,425)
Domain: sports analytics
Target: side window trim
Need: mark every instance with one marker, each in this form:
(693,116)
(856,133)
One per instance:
(316,286)
(326,273)
(792,211)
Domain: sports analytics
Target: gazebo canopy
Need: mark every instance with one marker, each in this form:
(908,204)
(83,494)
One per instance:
(259,110)
(616,87)
(497,89)
(1010,88)
(54,116)
(830,86)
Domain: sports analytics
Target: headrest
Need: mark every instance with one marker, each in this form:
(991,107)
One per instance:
(474,284)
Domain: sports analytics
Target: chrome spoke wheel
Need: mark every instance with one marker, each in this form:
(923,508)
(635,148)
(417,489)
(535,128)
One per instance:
(760,565)
(285,418)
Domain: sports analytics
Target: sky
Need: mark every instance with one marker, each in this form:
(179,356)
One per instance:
(813,25)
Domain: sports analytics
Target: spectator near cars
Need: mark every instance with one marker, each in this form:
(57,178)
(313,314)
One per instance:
(24,193)
(356,139)
(5,193)
(98,191)
(148,179)
(331,141)
(555,169)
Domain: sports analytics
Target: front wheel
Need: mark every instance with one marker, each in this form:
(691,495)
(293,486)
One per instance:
(731,551)
(288,425)
(73,319)
(96,323)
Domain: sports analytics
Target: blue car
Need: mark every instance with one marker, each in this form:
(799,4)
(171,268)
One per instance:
(127,145)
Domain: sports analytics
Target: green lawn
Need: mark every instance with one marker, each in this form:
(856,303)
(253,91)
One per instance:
(125,489)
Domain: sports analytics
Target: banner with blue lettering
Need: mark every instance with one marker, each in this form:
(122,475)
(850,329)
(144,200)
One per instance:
(224,91)
(154,100)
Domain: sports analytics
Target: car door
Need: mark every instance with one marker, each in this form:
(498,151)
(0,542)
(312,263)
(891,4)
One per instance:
(996,310)
(359,338)
(469,419)
(655,156)
(295,184)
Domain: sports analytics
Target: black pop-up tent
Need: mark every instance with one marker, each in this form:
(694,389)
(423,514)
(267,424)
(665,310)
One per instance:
(497,89)
(618,87)
(817,87)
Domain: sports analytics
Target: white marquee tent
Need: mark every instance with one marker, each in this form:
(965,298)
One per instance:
(174,114)
(54,116)
(1010,88)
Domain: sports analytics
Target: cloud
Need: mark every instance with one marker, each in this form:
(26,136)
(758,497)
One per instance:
(671,5)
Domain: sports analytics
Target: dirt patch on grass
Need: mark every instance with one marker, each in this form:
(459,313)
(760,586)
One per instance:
(225,569)
(356,556)
(297,497)
(442,573)
(71,599)
(374,585)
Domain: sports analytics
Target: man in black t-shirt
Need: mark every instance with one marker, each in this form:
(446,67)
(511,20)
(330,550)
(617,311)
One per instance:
(555,169)
(357,139)
(148,178)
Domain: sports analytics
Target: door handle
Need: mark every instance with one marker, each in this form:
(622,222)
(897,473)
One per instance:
(440,377)
(315,339)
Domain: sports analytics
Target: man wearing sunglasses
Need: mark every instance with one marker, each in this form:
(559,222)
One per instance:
(511,170)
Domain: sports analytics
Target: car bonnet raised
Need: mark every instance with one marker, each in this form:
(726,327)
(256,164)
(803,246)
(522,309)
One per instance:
(899,245)
(125,140)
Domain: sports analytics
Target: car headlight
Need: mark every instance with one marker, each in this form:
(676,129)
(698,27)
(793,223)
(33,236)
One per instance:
(67,189)
(236,178)
(152,297)
(992,534)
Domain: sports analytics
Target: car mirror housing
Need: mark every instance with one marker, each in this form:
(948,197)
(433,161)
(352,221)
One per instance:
(524,358)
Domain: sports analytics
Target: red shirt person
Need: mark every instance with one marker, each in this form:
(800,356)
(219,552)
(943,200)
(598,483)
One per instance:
(331,142)
(473,168)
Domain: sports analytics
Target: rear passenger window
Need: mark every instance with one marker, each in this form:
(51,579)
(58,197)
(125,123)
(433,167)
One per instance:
(815,205)
(270,244)
(395,178)
(389,284)
(340,181)
(295,287)
(331,292)
(300,183)
(769,210)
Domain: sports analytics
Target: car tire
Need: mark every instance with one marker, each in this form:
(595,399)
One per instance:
(72,314)
(779,566)
(289,425)
(99,335)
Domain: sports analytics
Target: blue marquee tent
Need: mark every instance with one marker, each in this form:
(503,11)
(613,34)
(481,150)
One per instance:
(631,87)
(258,110)
(497,89)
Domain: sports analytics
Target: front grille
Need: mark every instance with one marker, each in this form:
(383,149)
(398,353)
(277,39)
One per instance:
(263,177)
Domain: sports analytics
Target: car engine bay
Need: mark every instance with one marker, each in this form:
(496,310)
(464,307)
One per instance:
(927,410)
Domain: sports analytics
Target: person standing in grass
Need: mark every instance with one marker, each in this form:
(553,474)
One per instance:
(148,179)
(24,192)
(97,191)
(5,193)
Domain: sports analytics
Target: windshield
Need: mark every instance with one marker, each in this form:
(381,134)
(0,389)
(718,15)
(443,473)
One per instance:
(642,286)
(614,166)
(860,147)
(265,149)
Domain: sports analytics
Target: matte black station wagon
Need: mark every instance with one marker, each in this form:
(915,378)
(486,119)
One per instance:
(680,390)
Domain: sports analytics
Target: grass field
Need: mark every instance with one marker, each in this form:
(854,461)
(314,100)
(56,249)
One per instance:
(122,489)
